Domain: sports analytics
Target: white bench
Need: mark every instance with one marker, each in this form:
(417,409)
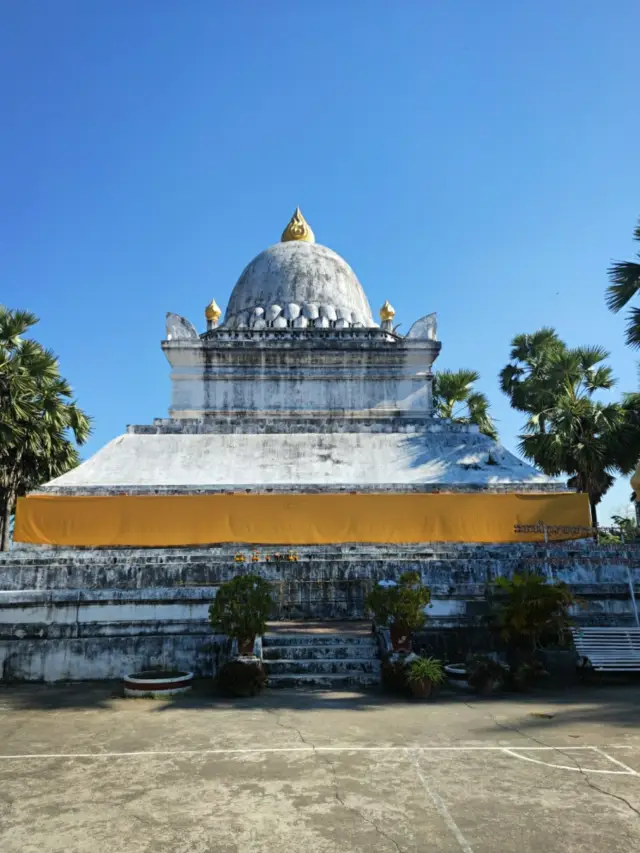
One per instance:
(609,649)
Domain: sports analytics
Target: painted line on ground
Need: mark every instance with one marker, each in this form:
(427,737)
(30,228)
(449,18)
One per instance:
(438,802)
(615,761)
(311,749)
(627,772)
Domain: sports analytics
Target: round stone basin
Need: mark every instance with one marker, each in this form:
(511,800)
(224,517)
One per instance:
(157,683)
(457,675)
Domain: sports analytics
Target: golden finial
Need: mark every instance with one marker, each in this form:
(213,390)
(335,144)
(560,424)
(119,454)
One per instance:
(387,312)
(298,229)
(212,314)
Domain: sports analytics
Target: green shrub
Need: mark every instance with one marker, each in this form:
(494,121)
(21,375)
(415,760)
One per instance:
(526,674)
(483,670)
(401,602)
(241,607)
(527,607)
(428,669)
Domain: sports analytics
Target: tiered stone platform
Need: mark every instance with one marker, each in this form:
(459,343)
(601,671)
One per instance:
(74,614)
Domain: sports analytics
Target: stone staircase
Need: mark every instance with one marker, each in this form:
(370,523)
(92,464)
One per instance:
(330,660)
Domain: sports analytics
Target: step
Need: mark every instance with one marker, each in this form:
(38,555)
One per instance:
(325,681)
(282,639)
(329,666)
(319,652)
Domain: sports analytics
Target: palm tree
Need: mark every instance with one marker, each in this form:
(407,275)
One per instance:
(455,399)
(38,416)
(567,431)
(582,440)
(625,283)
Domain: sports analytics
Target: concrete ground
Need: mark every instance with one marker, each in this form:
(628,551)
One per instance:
(83,769)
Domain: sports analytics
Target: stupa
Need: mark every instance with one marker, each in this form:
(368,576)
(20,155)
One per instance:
(301,443)
(295,419)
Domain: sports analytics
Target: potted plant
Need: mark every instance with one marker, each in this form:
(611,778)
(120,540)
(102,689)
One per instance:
(558,656)
(242,676)
(393,671)
(526,674)
(423,674)
(400,607)
(526,608)
(484,674)
(241,609)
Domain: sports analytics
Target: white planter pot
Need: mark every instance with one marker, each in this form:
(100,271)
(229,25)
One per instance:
(152,684)
(457,675)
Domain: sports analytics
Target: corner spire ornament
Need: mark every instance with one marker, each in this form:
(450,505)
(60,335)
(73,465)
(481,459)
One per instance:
(387,313)
(298,229)
(212,314)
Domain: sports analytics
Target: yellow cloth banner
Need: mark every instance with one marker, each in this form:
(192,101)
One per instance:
(293,519)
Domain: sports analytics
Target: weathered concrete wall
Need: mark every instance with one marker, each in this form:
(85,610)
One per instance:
(75,634)
(98,658)
(81,614)
(346,372)
(441,564)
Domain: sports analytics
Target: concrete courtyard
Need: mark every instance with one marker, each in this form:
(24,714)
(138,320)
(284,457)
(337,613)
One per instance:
(86,770)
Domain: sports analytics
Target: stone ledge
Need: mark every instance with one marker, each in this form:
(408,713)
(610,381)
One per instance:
(19,631)
(578,549)
(283,422)
(145,595)
(352,338)
(374,488)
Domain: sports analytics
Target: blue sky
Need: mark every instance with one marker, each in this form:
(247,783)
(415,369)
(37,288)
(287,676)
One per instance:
(478,159)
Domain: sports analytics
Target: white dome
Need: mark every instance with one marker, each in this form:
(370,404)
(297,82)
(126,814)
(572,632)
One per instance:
(298,284)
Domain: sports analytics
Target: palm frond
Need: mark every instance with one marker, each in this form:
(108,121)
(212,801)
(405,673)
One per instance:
(525,347)
(600,379)
(625,283)
(13,324)
(454,388)
(632,336)
(529,379)
(509,376)
(591,356)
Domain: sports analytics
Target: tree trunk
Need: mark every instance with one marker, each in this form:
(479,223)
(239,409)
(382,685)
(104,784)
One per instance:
(5,521)
(594,517)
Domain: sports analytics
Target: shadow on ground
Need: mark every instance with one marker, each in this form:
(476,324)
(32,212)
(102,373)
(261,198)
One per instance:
(86,695)
(613,704)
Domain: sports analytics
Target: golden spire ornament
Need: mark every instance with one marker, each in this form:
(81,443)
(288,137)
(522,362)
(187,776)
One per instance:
(298,229)
(212,314)
(387,312)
